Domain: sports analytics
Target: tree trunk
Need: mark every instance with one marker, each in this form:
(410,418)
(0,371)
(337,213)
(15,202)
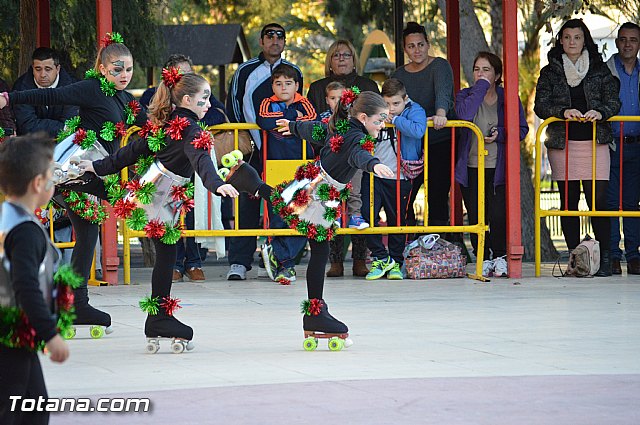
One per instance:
(548,250)
(28,22)
(148,252)
(495,12)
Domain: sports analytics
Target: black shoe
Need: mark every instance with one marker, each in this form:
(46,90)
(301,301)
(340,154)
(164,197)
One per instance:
(244,178)
(633,266)
(605,264)
(616,268)
(88,315)
(323,321)
(163,325)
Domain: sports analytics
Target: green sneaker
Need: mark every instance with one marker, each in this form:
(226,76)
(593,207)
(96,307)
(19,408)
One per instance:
(379,268)
(395,273)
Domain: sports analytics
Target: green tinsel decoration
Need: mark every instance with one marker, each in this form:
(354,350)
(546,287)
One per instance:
(107,87)
(138,219)
(89,140)
(303,227)
(150,305)
(355,89)
(92,73)
(1,133)
(130,117)
(202,125)
(330,214)
(65,275)
(116,37)
(108,131)
(190,189)
(156,141)
(70,127)
(171,234)
(344,194)
(111,180)
(115,193)
(321,234)
(319,133)
(143,164)
(305,306)
(323,192)
(146,192)
(342,126)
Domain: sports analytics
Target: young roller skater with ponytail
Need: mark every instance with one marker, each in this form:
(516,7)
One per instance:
(105,112)
(311,202)
(153,202)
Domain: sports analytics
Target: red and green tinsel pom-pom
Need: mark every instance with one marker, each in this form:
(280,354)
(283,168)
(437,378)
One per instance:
(311,307)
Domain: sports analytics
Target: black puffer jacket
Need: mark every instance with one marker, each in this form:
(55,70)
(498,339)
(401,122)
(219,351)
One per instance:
(553,97)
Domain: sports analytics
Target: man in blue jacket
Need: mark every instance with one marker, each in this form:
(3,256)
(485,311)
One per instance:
(45,72)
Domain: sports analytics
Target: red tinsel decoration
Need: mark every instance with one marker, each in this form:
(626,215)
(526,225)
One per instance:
(134,185)
(348,96)
(179,193)
(334,194)
(369,146)
(106,40)
(187,205)
(312,232)
(176,126)
(203,141)
(301,198)
(123,208)
(299,175)
(315,306)
(283,281)
(330,233)
(294,223)
(170,304)
(325,120)
(147,129)
(286,211)
(25,333)
(65,297)
(349,186)
(171,76)
(135,107)
(154,229)
(81,134)
(121,129)
(312,171)
(335,142)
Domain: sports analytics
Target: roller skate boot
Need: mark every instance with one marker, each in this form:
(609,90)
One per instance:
(244,178)
(317,323)
(87,316)
(161,324)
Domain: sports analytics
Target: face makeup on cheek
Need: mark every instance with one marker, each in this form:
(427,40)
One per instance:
(119,72)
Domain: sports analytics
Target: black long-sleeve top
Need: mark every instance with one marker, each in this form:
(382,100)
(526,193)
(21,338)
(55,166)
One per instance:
(344,164)
(26,247)
(179,156)
(96,108)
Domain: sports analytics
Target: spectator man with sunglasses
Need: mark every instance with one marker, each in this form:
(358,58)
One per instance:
(249,86)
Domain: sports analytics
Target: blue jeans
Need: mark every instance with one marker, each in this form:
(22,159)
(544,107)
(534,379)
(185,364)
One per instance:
(630,199)
(188,252)
(285,248)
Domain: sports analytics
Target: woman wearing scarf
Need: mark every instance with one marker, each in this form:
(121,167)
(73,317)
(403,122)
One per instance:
(577,85)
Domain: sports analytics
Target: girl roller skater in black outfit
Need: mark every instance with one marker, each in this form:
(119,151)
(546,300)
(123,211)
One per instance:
(106,109)
(310,203)
(180,146)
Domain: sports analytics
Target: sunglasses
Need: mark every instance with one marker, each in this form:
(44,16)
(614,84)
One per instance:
(274,33)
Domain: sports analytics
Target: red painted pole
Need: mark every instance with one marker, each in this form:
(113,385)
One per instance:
(44,24)
(453,55)
(515,250)
(110,260)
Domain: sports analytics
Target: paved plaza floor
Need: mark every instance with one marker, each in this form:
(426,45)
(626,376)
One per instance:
(511,351)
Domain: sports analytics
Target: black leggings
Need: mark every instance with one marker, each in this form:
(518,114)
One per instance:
(163,269)
(20,375)
(86,235)
(315,268)
(571,225)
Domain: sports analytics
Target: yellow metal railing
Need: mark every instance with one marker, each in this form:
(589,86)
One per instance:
(540,213)
(478,228)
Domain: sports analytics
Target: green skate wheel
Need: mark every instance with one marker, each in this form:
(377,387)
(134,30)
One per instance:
(310,344)
(237,154)
(336,344)
(223,173)
(96,332)
(69,333)
(228,160)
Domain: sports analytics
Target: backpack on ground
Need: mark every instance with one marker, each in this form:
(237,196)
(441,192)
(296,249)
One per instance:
(584,260)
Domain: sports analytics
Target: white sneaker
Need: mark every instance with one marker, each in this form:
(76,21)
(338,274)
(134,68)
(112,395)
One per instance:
(487,268)
(237,272)
(500,267)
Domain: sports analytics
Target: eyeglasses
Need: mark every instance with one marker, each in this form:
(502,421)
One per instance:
(274,33)
(344,56)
